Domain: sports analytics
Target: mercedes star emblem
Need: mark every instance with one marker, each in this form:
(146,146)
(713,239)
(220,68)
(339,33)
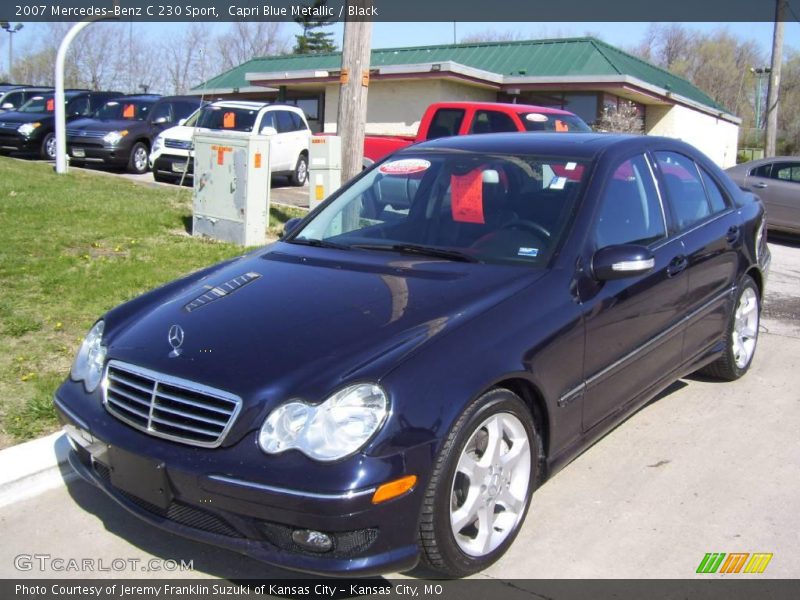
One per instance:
(175,339)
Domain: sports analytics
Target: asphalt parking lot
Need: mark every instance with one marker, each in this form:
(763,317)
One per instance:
(707,467)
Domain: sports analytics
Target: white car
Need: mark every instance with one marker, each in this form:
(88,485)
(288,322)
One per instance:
(171,157)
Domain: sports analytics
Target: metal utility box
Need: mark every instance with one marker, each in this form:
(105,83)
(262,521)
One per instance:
(231,187)
(324,168)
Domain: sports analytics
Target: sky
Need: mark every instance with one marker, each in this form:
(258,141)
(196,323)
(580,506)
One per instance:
(390,35)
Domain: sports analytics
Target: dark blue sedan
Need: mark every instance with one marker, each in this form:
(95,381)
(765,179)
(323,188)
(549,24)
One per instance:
(391,381)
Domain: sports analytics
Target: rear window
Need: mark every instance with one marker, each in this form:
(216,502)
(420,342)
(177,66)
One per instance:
(535,121)
(445,122)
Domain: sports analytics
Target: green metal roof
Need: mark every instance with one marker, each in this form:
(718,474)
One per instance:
(585,56)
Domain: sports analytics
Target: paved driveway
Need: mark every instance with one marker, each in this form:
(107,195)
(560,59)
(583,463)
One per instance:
(707,467)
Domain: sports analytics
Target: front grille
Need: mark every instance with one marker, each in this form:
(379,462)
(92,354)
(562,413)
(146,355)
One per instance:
(168,407)
(178,512)
(9,126)
(82,133)
(178,144)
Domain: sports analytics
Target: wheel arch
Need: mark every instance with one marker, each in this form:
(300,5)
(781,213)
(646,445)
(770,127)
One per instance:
(758,277)
(534,400)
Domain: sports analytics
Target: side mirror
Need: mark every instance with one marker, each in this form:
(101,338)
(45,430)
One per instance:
(181,121)
(619,262)
(7,106)
(160,121)
(290,225)
(269,131)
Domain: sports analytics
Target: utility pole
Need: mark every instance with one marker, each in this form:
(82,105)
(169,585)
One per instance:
(11,31)
(354,82)
(775,79)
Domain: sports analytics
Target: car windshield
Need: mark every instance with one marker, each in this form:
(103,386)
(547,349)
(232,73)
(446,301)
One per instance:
(134,110)
(39,104)
(223,117)
(535,121)
(458,206)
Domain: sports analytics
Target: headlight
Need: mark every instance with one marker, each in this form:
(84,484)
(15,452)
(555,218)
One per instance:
(341,425)
(113,137)
(27,128)
(88,365)
(157,144)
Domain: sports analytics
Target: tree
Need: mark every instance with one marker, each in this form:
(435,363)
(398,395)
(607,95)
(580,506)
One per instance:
(244,41)
(491,35)
(789,113)
(622,119)
(188,61)
(312,41)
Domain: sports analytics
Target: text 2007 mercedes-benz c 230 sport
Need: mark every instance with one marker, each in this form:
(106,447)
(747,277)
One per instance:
(391,381)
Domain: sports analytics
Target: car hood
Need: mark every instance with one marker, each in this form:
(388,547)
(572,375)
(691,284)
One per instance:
(307,320)
(20,117)
(109,125)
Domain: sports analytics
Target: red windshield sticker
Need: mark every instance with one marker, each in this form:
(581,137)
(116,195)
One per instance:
(466,197)
(51,105)
(229,120)
(407,166)
(129,112)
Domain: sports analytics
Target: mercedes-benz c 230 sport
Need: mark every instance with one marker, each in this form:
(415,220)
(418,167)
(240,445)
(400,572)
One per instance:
(391,381)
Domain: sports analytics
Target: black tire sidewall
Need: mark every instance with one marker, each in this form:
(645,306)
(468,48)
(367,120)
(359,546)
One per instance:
(493,402)
(131,159)
(295,178)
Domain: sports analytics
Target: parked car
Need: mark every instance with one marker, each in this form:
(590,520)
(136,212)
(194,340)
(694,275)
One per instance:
(776,181)
(443,119)
(32,127)
(120,134)
(173,154)
(14,96)
(392,380)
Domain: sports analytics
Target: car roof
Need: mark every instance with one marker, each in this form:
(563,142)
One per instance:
(517,108)
(180,98)
(246,104)
(151,97)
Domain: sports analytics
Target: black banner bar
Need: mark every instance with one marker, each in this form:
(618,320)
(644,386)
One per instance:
(394,10)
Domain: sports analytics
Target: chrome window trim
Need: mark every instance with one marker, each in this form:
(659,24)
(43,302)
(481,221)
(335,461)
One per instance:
(177,382)
(659,195)
(573,393)
(289,492)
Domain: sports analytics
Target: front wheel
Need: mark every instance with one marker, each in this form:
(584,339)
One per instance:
(137,161)
(481,486)
(48,150)
(300,173)
(741,334)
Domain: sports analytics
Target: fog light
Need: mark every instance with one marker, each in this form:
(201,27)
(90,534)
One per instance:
(315,541)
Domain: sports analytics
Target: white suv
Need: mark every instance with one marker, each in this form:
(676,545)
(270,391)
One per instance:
(172,153)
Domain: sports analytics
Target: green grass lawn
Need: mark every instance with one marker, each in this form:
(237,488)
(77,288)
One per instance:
(71,247)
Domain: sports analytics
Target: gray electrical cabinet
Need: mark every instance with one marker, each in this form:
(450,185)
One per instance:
(324,168)
(231,187)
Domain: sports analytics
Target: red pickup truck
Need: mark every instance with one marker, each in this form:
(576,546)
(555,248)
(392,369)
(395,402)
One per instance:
(443,119)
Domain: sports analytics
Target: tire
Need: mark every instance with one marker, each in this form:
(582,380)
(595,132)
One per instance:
(48,149)
(299,176)
(137,160)
(741,334)
(475,504)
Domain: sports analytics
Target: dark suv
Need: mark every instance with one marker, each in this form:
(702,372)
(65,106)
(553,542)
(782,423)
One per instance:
(14,96)
(31,128)
(121,132)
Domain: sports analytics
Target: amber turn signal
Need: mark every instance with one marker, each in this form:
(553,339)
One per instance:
(393,489)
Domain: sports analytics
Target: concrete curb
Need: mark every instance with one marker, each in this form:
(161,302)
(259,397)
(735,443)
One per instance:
(34,467)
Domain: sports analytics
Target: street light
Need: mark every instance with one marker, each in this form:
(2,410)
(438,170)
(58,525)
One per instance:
(11,31)
(761,73)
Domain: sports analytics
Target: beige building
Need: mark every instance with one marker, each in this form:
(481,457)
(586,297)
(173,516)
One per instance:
(583,75)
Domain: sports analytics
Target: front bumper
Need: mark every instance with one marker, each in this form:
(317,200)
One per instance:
(81,151)
(195,493)
(172,165)
(15,142)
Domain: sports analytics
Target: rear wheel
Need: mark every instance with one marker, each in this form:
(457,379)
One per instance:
(48,150)
(481,485)
(300,173)
(741,335)
(137,161)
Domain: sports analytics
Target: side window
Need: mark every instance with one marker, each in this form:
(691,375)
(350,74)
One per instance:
(786,171)
(183,109)
(162,113)
(284,121)
(13,98)
(297,122)
(269,120)
(78,106)
(715,196)
(492,121)
(685,191)
(761,171)
(630,212)
(445,122)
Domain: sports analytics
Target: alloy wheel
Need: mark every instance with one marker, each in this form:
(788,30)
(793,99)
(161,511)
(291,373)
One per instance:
(745,328)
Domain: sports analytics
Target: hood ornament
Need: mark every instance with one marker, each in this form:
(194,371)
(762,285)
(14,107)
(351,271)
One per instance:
(175,339)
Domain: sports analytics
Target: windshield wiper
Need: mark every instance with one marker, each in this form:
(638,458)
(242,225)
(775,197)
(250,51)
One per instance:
(422,250)
(317,243)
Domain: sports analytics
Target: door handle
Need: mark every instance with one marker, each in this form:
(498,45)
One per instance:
(733,234)
(760,185)
(677,265)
